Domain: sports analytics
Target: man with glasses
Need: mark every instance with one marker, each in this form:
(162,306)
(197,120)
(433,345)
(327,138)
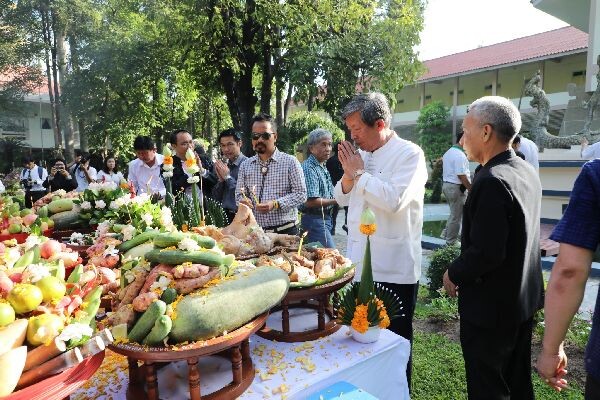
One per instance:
(181,141)
(227,170)
(271,182)
(32,179)
(144,171)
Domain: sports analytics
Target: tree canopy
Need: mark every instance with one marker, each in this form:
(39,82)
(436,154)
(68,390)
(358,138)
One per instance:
(120,68)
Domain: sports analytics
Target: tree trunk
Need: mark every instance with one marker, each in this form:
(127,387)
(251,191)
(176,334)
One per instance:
(267,82)
(279,101)
(47,46)
(83,138)
(288,103)
(53,51)
(311,100)
(61,58)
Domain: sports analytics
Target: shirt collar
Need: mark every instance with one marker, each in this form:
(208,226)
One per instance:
(274,157)
(313,160)
(239,159)
(500,158)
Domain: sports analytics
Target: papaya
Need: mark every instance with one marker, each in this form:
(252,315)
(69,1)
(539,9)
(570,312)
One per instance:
(228,305)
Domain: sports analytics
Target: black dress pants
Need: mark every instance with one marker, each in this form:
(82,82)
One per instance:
(403,326)
(497,360)
(592,388)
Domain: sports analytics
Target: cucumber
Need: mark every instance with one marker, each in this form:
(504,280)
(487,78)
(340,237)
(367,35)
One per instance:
(60,205)
(169,295)
(138,251)
(168,239)
(175,257)
(159,331)
(229,304)
(144,325)
(139,239)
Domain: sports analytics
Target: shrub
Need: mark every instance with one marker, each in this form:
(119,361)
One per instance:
(431,123)
(295,132)
(439,262)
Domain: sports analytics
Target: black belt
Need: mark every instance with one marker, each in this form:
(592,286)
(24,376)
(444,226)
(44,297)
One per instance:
(276,229)
(452,183)
(317,211)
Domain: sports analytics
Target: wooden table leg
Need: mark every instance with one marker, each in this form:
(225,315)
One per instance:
(321,313)
(151,381)
(194,379)
(236,365)
(134,371)
(245,349)
(285,317)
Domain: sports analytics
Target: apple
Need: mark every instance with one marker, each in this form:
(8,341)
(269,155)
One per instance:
(7,314)
(14,228)
(6,284)
(29,219)
(50,248)
(43,328)
(50,223)
(53,288)
(44,226)
(25,211)
(25,297)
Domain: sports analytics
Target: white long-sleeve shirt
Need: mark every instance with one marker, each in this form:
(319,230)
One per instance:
(146,178)
(591,152)
(530,151)
(393,187)
(38,176)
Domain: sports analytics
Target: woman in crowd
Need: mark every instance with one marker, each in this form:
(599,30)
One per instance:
(110,172)
(84,174)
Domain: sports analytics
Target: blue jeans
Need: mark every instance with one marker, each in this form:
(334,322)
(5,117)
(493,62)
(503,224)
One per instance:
(317,232)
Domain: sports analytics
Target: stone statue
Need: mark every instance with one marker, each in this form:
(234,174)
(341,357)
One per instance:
(592,104)
(543,139)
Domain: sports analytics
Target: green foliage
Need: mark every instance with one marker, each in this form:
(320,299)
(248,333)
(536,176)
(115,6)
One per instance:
(12,150)
(345,304)
(578,333)
(436,182)
(295,133)
(215,213)
(439,262)
(431,124)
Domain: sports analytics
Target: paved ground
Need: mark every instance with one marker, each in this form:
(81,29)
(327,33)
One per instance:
(434,212)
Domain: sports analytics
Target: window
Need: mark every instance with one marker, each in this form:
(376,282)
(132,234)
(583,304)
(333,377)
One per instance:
(46,123)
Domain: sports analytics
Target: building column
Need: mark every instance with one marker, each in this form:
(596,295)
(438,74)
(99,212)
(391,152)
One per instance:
(495,83)
(593,46)
(454,106)
(542,69)
(422,100)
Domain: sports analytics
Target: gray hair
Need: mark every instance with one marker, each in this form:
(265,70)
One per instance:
(500,113)
(317,135)
(371,106)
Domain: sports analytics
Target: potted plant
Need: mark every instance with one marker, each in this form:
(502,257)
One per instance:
(365,306)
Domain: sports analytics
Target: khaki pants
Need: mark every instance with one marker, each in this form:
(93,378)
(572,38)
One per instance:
(456,201)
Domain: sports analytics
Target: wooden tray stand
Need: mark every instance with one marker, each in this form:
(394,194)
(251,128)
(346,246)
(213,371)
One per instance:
(316,298)
(143,381)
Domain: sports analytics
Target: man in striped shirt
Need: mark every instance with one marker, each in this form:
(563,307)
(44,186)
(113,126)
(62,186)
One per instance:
(271,182)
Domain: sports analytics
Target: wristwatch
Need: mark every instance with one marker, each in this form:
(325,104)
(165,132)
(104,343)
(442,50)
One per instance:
(358,173)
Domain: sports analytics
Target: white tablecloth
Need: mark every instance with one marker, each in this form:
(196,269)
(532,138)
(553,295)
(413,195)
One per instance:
(284,370)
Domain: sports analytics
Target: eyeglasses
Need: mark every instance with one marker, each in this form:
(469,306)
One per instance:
(264,135)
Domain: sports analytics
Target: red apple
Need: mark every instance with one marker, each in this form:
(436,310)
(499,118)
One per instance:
(29,219)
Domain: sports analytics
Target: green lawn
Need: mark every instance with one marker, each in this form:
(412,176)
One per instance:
(439,372)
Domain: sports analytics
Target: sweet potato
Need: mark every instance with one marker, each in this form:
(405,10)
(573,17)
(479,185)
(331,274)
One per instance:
(190,271)
(133,289)
(143,301)
(154,274)
(185,286)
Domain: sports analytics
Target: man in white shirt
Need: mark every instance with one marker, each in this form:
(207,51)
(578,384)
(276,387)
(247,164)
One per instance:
(144,171)
(530,151)
(456,177)
(589,152)
(388,175)
(32,180)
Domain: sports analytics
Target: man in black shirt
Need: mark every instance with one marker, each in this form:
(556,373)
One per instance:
(60,178)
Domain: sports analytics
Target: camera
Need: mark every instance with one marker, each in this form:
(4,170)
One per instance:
(27,183)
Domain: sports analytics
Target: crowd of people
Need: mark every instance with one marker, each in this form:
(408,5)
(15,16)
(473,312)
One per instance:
(497,277)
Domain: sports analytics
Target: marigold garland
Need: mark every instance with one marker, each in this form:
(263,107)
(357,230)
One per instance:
(190,162)
(168,160)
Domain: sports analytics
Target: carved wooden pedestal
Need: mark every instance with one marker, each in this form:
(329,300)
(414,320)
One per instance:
(233,346)
(316,298)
